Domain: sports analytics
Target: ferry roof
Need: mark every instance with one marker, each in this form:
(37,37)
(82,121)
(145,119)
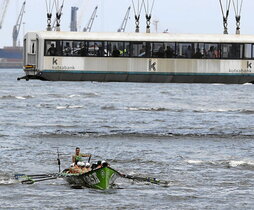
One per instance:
(152,37)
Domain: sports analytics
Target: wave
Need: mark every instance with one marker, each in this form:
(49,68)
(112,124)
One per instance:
(90,95)
(236,163)
(116,133)
(74,96)
(69,107)
(158,109)
(6,179)
(246,164)
(7,97)
(109,107)
(244,111)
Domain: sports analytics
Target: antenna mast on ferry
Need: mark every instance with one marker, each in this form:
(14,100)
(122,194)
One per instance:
(238,9)
(49,7)
(137,11)
(58,13)
(225,14)
(148,11)
(50,4)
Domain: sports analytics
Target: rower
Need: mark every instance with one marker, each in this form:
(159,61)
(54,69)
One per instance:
(86,168)
(78,156)
(76,169)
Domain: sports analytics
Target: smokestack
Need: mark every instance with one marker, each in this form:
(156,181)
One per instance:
(74,19)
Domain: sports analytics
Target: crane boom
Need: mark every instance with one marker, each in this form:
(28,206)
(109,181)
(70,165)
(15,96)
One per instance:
(125,21)
(16,28)
(3,11)
(91,21)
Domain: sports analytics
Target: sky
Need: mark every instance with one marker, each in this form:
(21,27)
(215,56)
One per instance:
(176,16)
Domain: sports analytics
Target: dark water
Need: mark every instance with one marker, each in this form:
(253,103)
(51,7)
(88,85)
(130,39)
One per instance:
(199,137)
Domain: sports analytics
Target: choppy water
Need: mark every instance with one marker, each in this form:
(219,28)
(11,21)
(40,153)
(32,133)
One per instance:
(197,136)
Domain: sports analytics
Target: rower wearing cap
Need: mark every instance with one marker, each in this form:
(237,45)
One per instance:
(86,168)
(77,169)
(78,156)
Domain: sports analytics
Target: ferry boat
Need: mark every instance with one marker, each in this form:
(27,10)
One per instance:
(139,57)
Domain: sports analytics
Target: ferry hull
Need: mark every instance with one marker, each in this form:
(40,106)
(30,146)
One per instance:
(145,78)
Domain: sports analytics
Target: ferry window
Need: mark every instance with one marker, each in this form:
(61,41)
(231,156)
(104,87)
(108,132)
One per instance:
(198,50)
(170,50)
(76,48)
(99,49)
(234,51)
(116,49)
(158,50)
(247,50)
(252,53)
(67,48)
(211,50)
(50,48)
(185,50)
(138,49)
(91,48)
(126,51)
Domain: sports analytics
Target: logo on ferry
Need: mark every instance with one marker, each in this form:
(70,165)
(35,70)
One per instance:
(54,61)
(152,65)
(249,65)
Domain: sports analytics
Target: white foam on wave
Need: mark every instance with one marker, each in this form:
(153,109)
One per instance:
(72,96)
(75,107)
(61,107)
(69,107)
(236,163)
(20,97)
(247,84)
(195,162)
(146,109)
(7,181)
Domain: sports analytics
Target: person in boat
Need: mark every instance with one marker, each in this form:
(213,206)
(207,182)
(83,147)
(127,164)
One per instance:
(104,164)
(86,168)
(77,168)
(78,156)
(96,165)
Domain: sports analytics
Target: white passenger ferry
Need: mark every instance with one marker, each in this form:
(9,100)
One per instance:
(139,57)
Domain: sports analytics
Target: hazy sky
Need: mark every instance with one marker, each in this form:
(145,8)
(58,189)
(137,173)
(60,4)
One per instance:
(178,16)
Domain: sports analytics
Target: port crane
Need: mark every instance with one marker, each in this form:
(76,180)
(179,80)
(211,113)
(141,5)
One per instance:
(16,28)
(3,11)
(125,21)
(91,21)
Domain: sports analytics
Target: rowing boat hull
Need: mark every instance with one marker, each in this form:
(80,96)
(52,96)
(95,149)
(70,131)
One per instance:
(102,178)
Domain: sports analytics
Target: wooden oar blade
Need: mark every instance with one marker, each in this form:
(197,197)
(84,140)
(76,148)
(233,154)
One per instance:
(146,179)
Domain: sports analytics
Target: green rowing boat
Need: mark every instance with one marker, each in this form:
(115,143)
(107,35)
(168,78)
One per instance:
(101,178)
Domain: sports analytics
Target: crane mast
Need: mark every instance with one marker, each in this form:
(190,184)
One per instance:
(125,21)
(16,28)
(3,11)
(91,21)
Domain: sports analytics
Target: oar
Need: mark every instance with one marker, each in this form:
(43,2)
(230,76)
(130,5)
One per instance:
(89,158)
(58,161)
(17,176)
(30,181)
(143,179)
